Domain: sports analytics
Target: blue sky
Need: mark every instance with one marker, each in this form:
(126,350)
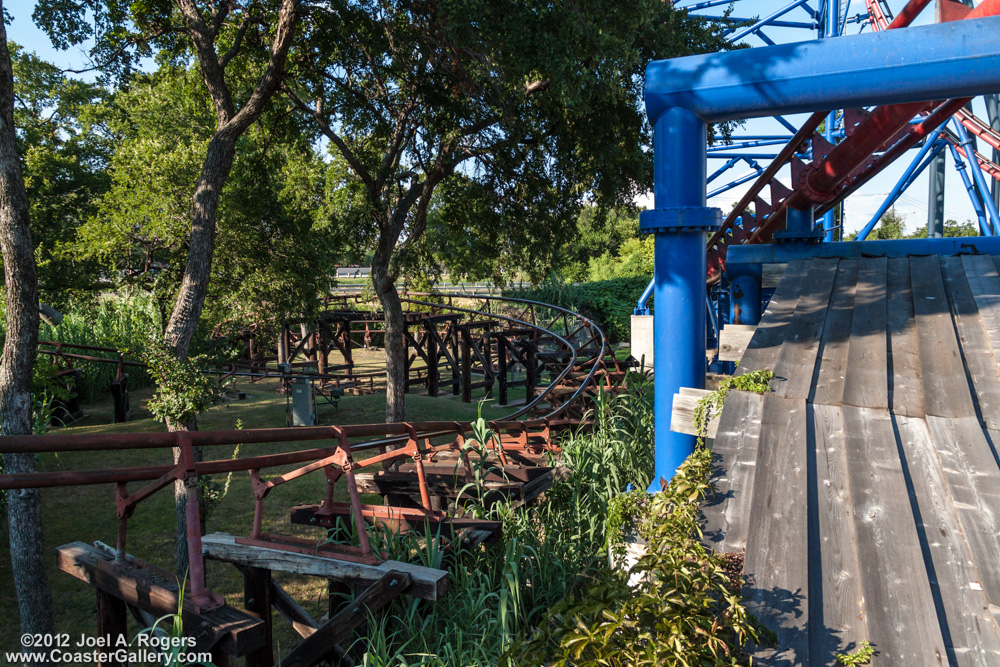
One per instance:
(859,207)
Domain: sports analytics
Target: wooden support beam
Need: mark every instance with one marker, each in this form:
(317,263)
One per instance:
(734,339)
(339,628)
(112,622)
(426,583)
(257,601)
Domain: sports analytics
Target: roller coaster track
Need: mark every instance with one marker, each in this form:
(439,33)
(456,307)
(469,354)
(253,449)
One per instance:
(874,139)
(422,468)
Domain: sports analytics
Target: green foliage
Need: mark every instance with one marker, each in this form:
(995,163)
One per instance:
(499,593)
(951,229)
(863,656)
(609,303)
(892,226)
(711,404)
(683,609)
(65,147)
(122,322)
(182,390)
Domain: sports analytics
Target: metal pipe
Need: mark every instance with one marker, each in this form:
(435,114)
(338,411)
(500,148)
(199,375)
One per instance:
(739,181)
(957,59)
(919,162)
(640,308)
(977,176)
(970,187)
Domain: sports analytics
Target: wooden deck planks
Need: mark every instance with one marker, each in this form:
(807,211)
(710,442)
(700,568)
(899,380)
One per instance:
(946,391)
(976,351)
(765,345)
(777,557)
(831,371)
(866,383)
(726,516)
(838,624)
(969,628)
(900,612)
(793,369)
(981,272)
(970,468)
(906,396)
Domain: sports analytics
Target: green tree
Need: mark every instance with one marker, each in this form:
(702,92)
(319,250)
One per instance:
(951,229)
(19,346)
(891,226)
(241,49)
(65,147)
(508,116)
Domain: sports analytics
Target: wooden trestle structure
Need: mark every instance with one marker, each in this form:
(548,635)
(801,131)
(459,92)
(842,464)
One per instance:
(424,473)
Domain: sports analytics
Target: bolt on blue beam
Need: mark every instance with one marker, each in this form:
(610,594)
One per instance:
(977,175)
(970,187)
(931,62)
(932,147)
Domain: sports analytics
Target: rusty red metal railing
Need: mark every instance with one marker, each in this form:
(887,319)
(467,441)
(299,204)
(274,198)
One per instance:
(339,459)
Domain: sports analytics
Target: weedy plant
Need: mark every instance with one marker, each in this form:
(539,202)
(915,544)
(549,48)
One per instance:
(677,604)
(172,655)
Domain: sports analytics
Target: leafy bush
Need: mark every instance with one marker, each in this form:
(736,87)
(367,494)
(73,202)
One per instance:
(609,303)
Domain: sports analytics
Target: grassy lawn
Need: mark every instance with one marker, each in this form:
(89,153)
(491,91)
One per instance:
(87,513)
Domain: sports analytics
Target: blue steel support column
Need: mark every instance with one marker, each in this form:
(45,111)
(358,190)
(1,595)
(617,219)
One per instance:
(679,222)
(831,26)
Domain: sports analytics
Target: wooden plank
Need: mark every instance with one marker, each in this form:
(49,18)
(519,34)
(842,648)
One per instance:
(976,353)
(155,592)
(907,393)
(866,382)
(946,391)
(899,604)
(831,370)
(796,363)
(766,342)
(682,415)
(777,556)
(734,339)
(726,515)
(981,272)
(771,275)
(970,467)
(317,646)
(835,577)
(972,633)
(425,582)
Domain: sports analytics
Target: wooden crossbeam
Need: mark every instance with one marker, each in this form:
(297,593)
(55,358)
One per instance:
(733,341)
(339,628)
(682,413)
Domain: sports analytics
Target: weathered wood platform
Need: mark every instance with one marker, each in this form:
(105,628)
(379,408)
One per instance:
(866,488)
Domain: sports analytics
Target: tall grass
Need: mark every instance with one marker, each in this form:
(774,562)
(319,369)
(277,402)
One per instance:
(500,593)
(121,322)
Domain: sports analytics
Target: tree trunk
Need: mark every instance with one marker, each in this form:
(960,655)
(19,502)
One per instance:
(23,507)
(395,326)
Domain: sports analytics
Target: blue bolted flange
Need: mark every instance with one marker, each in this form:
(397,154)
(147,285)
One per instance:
(680,219)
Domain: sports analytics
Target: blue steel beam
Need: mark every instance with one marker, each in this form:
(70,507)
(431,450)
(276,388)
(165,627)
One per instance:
(932,62)
(732,184)
(923,158)
(970,187)
(943,61)
(780,253)
(977,175)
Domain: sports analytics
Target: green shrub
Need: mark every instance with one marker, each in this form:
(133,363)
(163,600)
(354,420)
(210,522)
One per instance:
(609,303)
